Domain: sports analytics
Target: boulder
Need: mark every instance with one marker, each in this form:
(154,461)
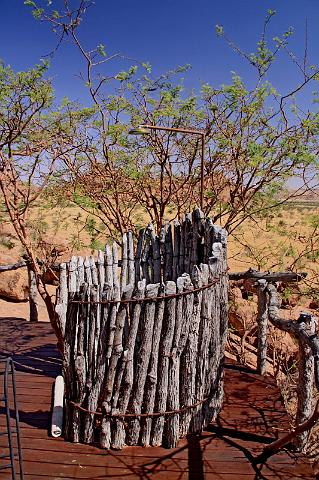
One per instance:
(13,284)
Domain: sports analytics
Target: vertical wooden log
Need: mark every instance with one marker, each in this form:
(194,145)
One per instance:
(33,296)
(168,249)
(208,239)
(156,256)
(108,266)
(176,251)
(188,358)
(101,270)
(124,266)
(87,271)
(80,362)
(151,381)
(116,353)
(94,272)
(197,249)
(305,385)
(80,273)
(62,298)
(115,265)
(131,262)
(188,301)
(116,297)
(214,390)
(223,290)
(70,340)
(171,432)
(188,242)
(262,321)
(147,256)
(128,375)
(142,366)
(164,352)
(181,261)
(188,305)
(202,361)
(218,269)
(138,257)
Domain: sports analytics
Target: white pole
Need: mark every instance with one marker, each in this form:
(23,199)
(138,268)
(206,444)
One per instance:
(57,412)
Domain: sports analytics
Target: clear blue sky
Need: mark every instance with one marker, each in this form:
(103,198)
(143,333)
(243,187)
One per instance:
(166,33)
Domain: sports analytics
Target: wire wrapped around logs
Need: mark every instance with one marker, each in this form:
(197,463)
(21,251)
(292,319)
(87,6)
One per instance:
(137,415)
(152,299)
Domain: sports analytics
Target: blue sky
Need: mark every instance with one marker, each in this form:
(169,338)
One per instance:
(166,33)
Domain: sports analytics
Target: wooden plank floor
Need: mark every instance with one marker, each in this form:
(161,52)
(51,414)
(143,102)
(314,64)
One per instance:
(252,412)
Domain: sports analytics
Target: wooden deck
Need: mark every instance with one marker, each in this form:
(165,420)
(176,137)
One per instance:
(252,410)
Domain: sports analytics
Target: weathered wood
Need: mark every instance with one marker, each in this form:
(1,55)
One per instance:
(116,352)
(33,296)
(181,260)
(197,249)
(62,298)
(128,375)
(156,256)
(218,269)
(150,387)
(305,390)
(147,356)
(14,266)
(70,339)
(108,266)
(308,361)
(296,433)
(146,264)
(138,269)
(269,276)
(124,266)
(188,358)
(101,269)
(131,262)
(172,422)
(202,357)
(168,253)
(142,365)
(262,320)
(176,250)
(188,242)
(80,363)
(164,352)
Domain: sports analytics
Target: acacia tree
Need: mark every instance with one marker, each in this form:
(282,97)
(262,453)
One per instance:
(33,137)
(256,138)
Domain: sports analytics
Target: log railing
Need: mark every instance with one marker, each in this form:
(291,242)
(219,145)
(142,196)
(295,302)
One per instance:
(304,331)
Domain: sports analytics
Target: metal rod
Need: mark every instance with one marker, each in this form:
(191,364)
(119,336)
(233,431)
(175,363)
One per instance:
(202,172)
(6,399)
(17,421)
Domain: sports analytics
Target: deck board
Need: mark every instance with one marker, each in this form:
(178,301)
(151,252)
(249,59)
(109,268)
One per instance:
(252,412)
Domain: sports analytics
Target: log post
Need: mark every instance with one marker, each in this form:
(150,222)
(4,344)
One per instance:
(262,320)
(304,331)
(33,295)
(305,382)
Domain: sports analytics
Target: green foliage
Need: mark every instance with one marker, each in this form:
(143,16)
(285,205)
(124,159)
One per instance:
(101,50)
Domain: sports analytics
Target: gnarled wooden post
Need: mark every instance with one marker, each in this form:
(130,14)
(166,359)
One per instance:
(303,330)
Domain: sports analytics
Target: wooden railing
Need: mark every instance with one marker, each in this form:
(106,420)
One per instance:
(304,331)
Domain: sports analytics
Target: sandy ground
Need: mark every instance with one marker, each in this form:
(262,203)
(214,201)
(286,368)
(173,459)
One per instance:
(21,309)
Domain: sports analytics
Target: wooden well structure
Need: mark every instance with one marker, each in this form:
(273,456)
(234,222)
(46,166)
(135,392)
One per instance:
(144,336)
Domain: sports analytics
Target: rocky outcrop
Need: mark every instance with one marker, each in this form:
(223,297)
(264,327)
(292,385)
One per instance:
(14,283)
